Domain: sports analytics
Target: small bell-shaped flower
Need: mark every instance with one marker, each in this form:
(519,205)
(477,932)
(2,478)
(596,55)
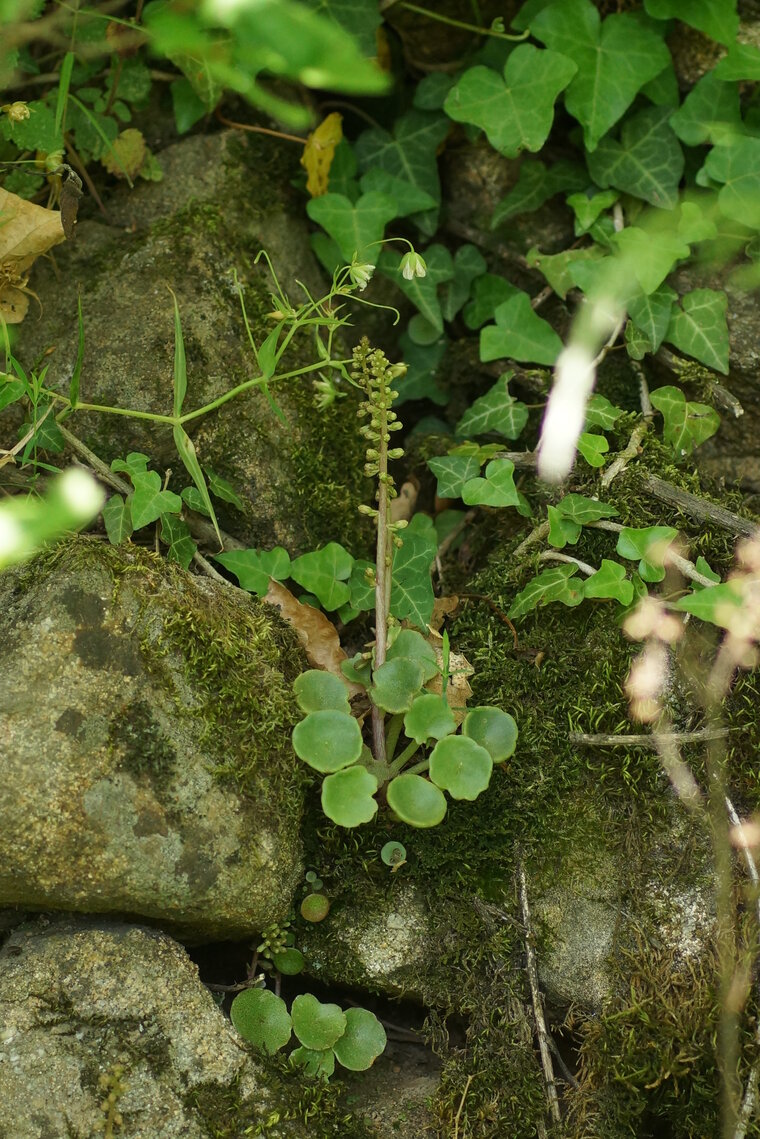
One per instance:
(412,265)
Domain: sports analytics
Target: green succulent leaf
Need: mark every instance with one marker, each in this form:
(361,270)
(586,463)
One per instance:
(496,489)
(519,333)
(317,691)
(699,328)
(497,411)
(254,568)
(593,448)
(356,228)
(647,162)
(736,166)
(328,740)
(550,585)
(290,962)
(149,501)
(609,581)
(492,729)
(516,111)
(614,60)
(395,684)
(416,801)
(117,520)
(718,19)
(262,1018)
(460,766)
(429,718)
(316,1025)
(412,595)
(348,796)
(362,1042)
(535,185)
(357,670)
(325,573)
(409,153)
(176,534)
(687,424)
(650,544)
(393,854)
(410,645)
(317,1064)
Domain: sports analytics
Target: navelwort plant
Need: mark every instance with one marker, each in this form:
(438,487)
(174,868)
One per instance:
(393,677)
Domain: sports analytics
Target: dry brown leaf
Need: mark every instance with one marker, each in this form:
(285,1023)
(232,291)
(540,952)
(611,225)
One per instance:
(443,607)
(403,506)
(316,632)
(319,152)
(26,231)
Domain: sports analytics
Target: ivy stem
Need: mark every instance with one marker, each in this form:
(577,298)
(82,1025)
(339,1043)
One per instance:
(459,23)
(402,759)
(393,733)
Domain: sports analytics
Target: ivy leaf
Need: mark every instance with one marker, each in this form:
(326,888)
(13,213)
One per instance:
(650,544)
(409,199)
(469,265)
(709,113)
(647,162)
(117,520)
(699,328)
(695,223)
(254,568)
(637,343)
(609,581)
(488,292)
(593,448)
(578,508)
(411,589)
(355,228)
(718,604)
(452,472)
(650,313)
(520,334)
(651,255)
(431,91)
(615,59)
(176,534)
(422,291)
(516,112)
(496,489)
(222,489)
(496,411)
(325,573)
(741,62)
(737,166)
(535,185)
(589,207)
(135,463)
(149,501)
(562,531)
(686,424)
(718,19)
(601,413)
(555,266)
(550,585)
(360,18)
(410,153)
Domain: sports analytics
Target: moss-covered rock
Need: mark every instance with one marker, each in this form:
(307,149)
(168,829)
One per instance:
(222,200)
(156,775)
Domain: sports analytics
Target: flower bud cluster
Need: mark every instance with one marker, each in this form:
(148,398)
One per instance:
(375,375)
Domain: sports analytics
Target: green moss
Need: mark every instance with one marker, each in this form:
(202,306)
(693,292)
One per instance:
(141,744)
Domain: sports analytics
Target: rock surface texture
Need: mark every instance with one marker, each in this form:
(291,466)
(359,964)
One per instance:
(92,1010)
(155,778)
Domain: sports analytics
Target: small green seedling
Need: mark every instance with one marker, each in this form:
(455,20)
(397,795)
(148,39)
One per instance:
(393,854)
(355,1038)
(315,907)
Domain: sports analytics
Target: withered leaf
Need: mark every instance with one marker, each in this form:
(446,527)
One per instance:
(316,632)
(319,152)
(26,231)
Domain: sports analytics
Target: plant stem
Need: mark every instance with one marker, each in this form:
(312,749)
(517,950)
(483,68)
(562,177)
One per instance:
(402,759)
(382,574)
(479,31)
(393,733)
(419,768)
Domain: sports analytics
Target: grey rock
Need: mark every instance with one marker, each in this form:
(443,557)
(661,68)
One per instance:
(222,201)
(145,716)
(89,1009)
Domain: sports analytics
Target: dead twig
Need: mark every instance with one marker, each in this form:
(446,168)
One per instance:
(538,1012)
(458,1115)
(699,508)
(644,739)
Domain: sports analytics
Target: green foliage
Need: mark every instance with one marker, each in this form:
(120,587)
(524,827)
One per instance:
(520,334)
(354,1037)
(687,424)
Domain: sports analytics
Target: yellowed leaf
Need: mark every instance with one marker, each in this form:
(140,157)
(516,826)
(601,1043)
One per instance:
(127,154)
(316,632)
(319,152)
(26,231)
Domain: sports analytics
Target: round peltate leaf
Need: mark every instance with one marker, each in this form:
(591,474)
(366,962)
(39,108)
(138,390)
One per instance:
(493,729)
(416,801)
(315,907)
(461,767)
(347,796)
(393,854)
(317,691)
(396,683)
(290,962)
(413,646)
(362,1042)
(262,1018)
(328,740)
(315,1063)
(429,718)
(316,1025)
